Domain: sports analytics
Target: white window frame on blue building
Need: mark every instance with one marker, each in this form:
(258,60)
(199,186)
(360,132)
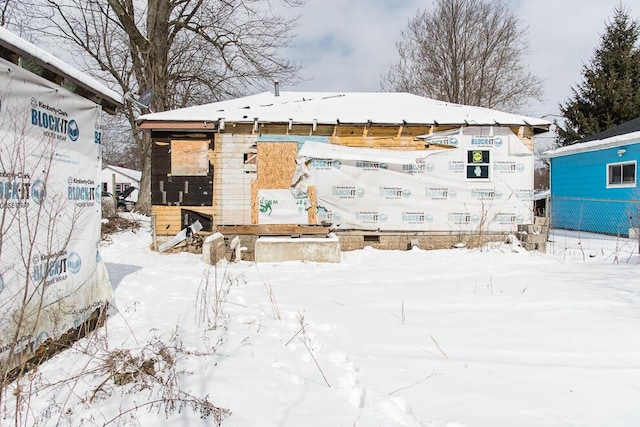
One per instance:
(619,174)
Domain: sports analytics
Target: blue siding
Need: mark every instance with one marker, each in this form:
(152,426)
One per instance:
(581,199)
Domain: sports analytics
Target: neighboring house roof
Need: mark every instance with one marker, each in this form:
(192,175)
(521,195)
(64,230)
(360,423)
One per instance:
(622,129)
(625,133)
(131,173)
(23,48)
(341,107)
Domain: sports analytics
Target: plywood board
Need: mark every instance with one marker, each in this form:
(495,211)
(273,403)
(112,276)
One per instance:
(190,157)
(254,202)
(276,164)
(311,191)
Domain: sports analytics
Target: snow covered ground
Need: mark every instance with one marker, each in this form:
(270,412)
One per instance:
(449,338)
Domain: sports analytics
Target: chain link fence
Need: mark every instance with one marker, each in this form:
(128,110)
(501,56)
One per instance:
(595,228)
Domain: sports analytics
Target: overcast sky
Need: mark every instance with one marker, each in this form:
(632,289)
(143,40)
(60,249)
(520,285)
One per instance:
(346,45)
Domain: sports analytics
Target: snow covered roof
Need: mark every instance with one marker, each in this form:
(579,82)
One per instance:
(599,144)
(15,44)
(131,173)
(341,107)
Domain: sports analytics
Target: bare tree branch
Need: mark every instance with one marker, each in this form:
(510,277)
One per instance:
(186,51)
(468,52)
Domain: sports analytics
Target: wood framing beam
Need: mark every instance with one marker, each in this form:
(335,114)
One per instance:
(273,229)
(194,125)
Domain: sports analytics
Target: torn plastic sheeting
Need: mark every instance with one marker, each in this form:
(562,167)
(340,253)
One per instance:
(300,182)
(180,236)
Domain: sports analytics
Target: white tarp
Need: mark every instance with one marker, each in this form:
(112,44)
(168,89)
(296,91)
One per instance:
(51,274)
(481,183)
(281,207)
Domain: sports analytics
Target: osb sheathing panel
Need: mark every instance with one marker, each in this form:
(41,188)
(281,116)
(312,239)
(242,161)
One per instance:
(189,157)
(254,202)
(311,192)
(276,164)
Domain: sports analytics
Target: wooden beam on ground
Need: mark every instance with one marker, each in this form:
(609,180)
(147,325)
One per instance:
(273,229)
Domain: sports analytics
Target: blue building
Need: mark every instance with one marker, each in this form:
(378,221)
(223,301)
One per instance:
(594,182)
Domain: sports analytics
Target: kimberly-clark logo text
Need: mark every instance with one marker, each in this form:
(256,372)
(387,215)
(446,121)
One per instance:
(369,165)
(415,168)
(448,141)
(485,194)
(524,194)
(419,217)
(347,191)
(486,141)
(508,218)
(462,218)
(326,164)
(17,190)
(82,191)
(394,192)
(55,121)
(440,193)
(54,267)
(456,166)
(371,217)
(508,167)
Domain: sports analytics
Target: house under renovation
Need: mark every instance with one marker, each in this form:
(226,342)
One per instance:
(390,170)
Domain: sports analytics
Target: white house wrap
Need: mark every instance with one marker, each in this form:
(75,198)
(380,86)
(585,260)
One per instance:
(479,183)
(51,275)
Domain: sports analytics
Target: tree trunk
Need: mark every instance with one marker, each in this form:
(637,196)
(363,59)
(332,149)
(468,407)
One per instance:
(144,195)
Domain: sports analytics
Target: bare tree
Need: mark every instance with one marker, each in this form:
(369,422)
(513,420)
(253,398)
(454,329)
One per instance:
(12,13)
(119,147)
(468,52)
(7,8)
(186,51)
